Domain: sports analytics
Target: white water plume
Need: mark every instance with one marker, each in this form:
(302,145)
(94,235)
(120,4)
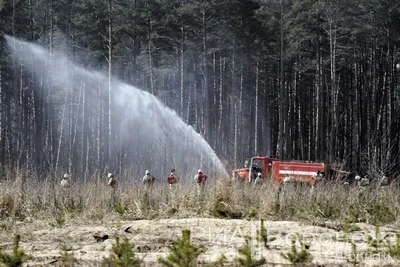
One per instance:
(151,135)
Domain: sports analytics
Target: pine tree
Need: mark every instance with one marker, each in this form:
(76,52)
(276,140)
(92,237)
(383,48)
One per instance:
(247,257)
(182,253)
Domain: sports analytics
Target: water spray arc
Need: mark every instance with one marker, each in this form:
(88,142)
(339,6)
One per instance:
(151,134)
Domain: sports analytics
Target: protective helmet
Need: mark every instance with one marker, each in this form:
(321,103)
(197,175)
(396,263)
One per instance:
(110,175)
(259,174)
(200,171)
(147,172)
(66,176)
(357,178)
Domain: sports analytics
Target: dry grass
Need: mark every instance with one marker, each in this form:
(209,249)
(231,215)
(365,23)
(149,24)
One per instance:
(44,199)
(44,203)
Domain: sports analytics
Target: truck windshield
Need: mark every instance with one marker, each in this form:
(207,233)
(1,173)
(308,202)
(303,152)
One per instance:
(257,165)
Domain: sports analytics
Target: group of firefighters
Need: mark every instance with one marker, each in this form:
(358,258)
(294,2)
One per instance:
(200,179)
(148,180)
(258,179)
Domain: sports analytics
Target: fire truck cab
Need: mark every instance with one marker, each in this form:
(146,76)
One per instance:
(253,166)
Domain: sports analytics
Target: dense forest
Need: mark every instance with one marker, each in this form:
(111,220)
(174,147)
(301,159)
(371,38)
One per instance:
(297,79)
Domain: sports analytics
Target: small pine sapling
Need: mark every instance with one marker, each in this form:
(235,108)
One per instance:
(182,253)
(298,255)
(247,257)
(353,258)
(67,259)
(17,257)
(393,249)
(375,242)
(122,255)
(262,235)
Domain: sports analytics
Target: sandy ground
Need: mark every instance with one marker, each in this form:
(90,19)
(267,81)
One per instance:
(151,239)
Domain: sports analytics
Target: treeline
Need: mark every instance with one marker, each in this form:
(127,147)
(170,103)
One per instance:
(297,79)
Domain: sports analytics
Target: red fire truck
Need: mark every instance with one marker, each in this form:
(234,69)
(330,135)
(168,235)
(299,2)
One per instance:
(299,171)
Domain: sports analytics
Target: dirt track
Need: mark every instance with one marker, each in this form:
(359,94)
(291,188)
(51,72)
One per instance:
(150,240)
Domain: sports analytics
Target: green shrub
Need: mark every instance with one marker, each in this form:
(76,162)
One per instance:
(122,255)
(59,218)
(393,249)
(348,227)
(182,253)
(4,226)
(67,259)
(252,214)
(247,257)
(121,208)
(298,254)
(357,213)
(379,212)
(17,257)
(6,206)
(375,242)
(328,209)
(222,210)
(262,235)
(353,258)
(72,206)
(222,202)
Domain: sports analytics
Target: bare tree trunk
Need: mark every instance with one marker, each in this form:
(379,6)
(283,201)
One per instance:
(207,119)
(74,133)
(282,97)
(2,124)
(256,113)
(240,117)
(332,49)
(15,81)
(233,101)
(188,107)
(20,117)
(181,51)
(52,129)
(150,48)
(99,131)
(110,43)
(135,45)
(215,100)
(61,128)
(319,130)
(236,113)
(85,130)
(221,97)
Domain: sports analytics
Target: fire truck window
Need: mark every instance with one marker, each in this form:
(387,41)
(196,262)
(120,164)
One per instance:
(256,166)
